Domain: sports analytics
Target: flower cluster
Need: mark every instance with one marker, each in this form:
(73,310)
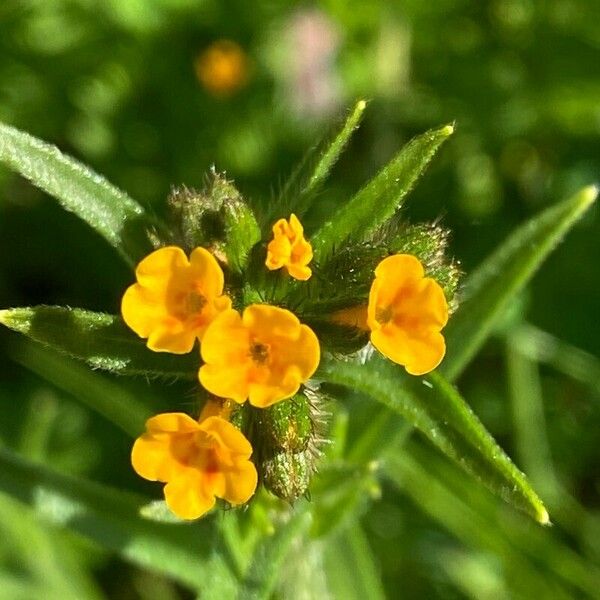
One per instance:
(261,353)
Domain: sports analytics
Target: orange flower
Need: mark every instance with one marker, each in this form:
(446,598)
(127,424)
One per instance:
(263,355)
(289,249)
(222,68)
(199,461)
(406,313)
(175,299)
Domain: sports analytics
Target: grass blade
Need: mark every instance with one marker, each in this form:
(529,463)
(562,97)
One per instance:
(191,554)
(113,214)
(533,557)
(489,289)
(103,341)
(352,572)
(432,405)
(261,578)
(377,201)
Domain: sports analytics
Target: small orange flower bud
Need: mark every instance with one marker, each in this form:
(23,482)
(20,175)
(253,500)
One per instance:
(406,313)
(289,249)
(174,299)
(262,356)
(199,461)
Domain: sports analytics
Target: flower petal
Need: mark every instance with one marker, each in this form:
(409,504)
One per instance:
(176,339)
(240,483)
(171,423)
(229,436)
(226,340)
(155,270)
(188,497)
(205,268)
(226,382)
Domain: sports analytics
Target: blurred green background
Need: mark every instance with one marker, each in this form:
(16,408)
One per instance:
(149,94)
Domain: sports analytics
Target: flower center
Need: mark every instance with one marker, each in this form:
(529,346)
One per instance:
(384,314)
(259,353)
(194,303)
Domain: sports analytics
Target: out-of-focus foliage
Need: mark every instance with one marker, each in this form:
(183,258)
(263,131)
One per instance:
(116,84)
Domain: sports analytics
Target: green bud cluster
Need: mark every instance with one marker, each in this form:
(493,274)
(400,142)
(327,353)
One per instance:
(287,439)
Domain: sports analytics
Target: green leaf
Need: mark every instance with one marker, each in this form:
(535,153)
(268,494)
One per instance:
(115,216)
(271,552)
(490,288)
(302,187)
(95,391)
(530,557)
(472,515)
(377,201)
(351,568)
(191,553)
(432,405)
(103,341)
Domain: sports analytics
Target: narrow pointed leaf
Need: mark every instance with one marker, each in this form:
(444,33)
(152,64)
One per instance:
(377,201)
(103,341)
(113,214)
(301,188)
(432,405)
(191,553)
(479,526)
(96,391)
(529,553)
(490,288)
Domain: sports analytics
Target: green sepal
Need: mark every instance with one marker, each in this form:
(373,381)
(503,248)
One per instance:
(379,199)
(103,341)
(217,218)
(287,474)
(286,437)
(287,424)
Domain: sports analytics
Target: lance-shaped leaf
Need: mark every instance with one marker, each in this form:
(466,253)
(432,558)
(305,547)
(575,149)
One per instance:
(305,182)
(192,553)
(489,289)
(113,214)
(103,341)
(432,405)
(107,398)
(379,199)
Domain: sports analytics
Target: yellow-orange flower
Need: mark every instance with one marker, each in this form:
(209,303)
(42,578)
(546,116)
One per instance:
(289,249)
(262,356)
(406,313)
(174,299)
(199,461)
(222,68)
